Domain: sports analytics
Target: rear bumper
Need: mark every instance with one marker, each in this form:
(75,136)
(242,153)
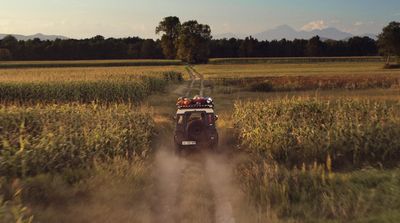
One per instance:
(185,143)
(198,145)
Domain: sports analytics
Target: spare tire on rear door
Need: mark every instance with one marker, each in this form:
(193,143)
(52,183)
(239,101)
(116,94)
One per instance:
(196,131)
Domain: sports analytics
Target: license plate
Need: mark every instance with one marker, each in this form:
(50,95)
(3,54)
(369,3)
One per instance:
(188,143)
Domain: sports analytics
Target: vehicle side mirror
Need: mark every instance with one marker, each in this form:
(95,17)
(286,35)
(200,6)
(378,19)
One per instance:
(216,117)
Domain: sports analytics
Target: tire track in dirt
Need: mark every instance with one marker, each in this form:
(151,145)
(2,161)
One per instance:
(193,187)
(193,80)
(220,176)
(195,200)
(182,191)
(168,170)
(195,76)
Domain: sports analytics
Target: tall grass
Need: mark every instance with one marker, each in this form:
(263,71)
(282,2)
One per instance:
(295,131)
(12,210)
(54,138)
(315,194)
(310,160)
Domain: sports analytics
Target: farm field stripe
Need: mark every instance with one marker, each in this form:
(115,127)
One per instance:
(289,60)
(99,63)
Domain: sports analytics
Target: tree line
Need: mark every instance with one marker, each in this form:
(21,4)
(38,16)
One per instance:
(314,47)
(136,48)
(192,42)
(86,49)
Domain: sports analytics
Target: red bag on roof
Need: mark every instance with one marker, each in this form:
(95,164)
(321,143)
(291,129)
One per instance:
(197,100)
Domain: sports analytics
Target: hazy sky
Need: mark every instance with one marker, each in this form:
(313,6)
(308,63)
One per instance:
(121,18)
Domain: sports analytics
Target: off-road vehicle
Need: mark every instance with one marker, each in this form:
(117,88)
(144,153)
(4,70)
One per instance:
(195,124)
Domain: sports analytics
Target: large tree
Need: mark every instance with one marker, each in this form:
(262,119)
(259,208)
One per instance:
(315,47)
(389,40)
(248,47)
(193,42)
(170,26)
(11,44)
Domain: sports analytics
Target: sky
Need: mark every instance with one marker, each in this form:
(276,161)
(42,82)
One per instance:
(122,18)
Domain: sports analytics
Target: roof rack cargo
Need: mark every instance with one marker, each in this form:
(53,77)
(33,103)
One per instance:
(196,102)
(195,106)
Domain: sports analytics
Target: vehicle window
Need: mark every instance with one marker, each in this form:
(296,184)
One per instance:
(195,116)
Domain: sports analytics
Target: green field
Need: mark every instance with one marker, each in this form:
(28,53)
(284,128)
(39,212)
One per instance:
(302,140)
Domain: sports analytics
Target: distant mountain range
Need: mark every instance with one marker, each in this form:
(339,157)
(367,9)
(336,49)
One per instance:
(38,35)
(278,33)
(287,32)
(229,35)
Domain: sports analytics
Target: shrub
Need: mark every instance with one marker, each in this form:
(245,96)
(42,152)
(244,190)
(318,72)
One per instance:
(173,76)
(264,86)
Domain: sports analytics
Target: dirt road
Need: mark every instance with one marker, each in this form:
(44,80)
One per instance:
(197,186)
(195,77)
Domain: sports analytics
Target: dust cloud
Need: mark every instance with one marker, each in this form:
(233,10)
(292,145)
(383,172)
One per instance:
(199,187)
(168,169)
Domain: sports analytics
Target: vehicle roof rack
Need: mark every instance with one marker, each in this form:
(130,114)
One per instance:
(195,106)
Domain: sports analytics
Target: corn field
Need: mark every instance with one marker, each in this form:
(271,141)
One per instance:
(53,138)
(313,193)
(130,88)
(311,159)
(87,63)
(303,83)
(63,127)
(352,132)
